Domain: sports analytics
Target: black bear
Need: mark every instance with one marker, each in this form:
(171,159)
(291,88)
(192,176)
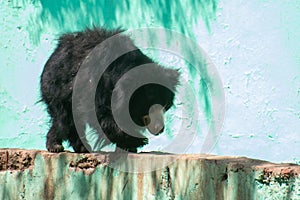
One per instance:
(57,81)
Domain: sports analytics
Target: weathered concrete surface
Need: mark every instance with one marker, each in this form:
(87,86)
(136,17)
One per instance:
(30,174)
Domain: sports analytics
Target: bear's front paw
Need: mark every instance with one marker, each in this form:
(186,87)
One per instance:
(125,150)
(145,141)
(56,148)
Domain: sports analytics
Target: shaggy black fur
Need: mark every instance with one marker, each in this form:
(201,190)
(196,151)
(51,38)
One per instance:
(57,81)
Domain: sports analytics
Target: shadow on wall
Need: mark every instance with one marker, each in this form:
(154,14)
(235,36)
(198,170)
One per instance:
(62,16)
(70,15)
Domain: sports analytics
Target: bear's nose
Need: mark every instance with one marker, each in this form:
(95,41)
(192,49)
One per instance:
(161,130)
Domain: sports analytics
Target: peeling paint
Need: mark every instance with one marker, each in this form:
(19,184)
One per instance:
(88,163)
(16,160)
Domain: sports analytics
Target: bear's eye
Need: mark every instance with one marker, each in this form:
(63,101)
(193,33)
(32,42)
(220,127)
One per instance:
(146,120)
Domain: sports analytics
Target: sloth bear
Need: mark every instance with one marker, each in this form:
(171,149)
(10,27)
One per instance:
(59,75)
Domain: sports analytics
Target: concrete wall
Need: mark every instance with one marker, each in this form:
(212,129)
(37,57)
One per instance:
(254,44)
(43,175)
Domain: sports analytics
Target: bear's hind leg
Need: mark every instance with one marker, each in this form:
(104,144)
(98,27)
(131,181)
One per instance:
(54,142)
(75,142)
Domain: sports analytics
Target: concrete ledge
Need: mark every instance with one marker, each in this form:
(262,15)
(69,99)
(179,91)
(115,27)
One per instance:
(34,174)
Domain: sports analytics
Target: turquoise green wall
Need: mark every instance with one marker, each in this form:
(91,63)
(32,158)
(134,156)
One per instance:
(255,46)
